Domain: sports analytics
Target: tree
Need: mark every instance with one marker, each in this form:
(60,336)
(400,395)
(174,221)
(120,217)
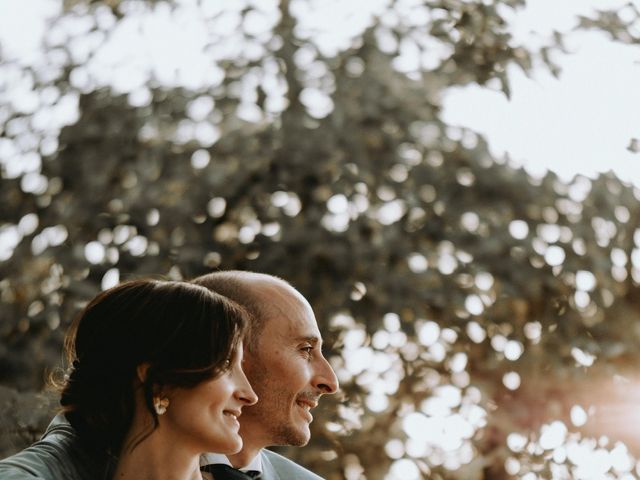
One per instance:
(467,305)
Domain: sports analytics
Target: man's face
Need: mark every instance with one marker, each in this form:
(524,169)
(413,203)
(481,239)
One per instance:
(287,370)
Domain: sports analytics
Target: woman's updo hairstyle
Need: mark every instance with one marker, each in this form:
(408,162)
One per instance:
(184,332)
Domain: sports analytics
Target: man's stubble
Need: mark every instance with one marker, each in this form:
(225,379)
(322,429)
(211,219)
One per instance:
(272,413)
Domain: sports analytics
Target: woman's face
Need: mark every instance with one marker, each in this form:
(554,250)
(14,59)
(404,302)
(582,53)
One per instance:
(205,417)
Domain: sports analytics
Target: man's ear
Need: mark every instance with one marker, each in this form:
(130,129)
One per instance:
(141,372)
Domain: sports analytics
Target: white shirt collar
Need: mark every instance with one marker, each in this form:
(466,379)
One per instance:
(209,458)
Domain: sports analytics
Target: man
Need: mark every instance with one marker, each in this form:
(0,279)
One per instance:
(285,366)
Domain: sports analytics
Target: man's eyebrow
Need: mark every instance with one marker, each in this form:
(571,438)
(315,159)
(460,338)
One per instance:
(311,339)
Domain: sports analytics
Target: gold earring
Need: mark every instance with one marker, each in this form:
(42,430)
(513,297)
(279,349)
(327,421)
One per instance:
(160,405)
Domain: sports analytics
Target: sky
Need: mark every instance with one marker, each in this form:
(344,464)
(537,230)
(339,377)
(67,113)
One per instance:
(580,123)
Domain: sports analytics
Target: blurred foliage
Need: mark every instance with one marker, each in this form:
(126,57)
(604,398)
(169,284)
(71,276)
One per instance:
(467,305)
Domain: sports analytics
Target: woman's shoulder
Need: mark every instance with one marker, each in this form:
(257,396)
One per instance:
(58,455)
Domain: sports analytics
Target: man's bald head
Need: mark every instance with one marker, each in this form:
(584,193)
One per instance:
(249,289)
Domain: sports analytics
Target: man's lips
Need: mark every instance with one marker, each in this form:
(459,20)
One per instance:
(307,404)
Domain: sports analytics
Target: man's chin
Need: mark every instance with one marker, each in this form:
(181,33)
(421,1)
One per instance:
(302,440)
(299,442)
(295,436)
(304,435)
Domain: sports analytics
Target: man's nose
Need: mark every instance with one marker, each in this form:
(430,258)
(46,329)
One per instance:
(325,378)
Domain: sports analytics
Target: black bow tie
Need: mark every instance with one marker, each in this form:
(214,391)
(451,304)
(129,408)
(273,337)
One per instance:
(221,471)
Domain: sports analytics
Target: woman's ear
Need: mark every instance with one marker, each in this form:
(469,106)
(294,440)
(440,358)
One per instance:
(141,371)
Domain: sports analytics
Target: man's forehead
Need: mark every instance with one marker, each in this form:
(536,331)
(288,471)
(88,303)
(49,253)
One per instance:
(292,325)
(287,312)
(281,298)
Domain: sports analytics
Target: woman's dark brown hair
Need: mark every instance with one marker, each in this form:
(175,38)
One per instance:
(184,332)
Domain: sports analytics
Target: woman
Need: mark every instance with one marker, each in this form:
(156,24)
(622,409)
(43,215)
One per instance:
(155,380)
